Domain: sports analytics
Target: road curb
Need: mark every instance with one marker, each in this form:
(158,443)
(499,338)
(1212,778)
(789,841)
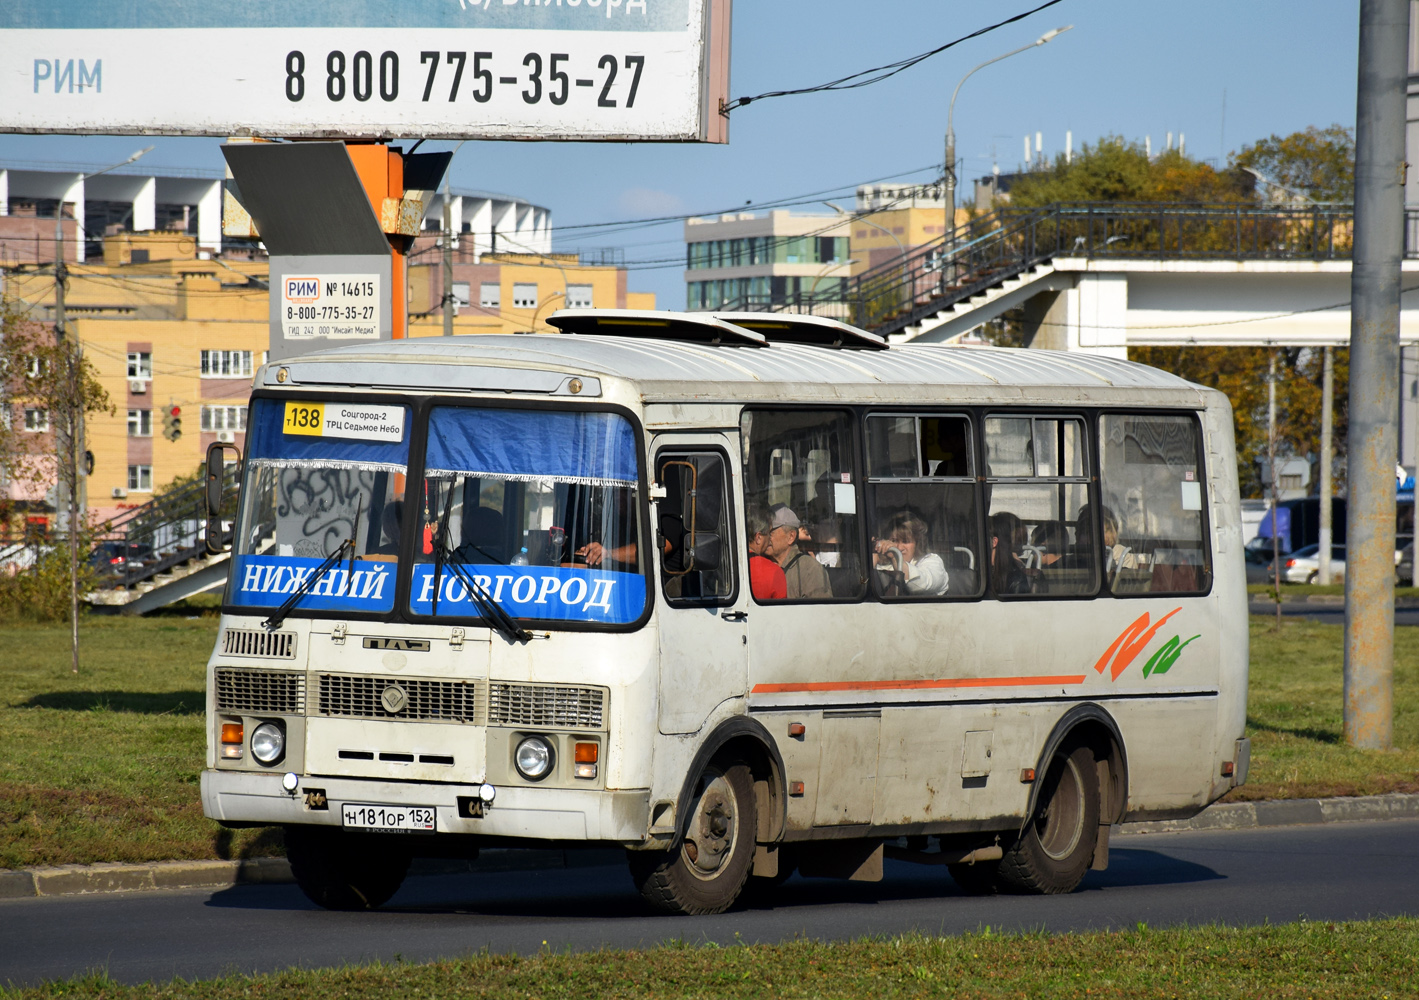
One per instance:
(1287,812)
(67,880)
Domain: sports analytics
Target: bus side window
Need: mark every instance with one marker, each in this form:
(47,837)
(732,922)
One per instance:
(800,475)
(1150,476)
(1040,526)
(922,501)
(693,528)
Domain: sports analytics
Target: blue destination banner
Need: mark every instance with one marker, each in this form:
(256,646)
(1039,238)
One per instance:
(267,581)
(550,593)
(576,15)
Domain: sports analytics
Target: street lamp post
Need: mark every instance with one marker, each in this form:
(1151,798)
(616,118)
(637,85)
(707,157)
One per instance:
(951,131)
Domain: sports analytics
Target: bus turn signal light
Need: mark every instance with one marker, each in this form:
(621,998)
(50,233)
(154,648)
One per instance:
(1027,775)
(797,729)
(231,740)
(1228,768)
(587,753)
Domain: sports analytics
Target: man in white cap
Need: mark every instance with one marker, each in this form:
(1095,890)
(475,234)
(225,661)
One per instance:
(805,576)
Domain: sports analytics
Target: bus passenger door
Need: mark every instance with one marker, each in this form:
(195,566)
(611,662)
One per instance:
(703,603)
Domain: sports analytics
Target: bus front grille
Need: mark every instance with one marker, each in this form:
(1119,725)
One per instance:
(546,706)
(398,698)
(255,642)
(240,689)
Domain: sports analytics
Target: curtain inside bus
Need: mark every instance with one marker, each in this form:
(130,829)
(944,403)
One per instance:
(542,509)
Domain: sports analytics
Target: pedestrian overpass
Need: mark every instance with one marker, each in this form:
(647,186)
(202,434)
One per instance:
(1101,278)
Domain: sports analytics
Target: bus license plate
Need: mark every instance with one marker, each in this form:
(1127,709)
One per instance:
(388,819)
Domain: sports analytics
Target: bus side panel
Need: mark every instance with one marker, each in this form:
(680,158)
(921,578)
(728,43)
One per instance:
(1229,586)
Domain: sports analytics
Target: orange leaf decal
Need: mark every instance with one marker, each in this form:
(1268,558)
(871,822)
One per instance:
(1130,643)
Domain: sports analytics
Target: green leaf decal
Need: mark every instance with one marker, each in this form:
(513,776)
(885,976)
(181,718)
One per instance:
(1163,660)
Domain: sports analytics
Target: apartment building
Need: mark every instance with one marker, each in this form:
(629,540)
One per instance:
(750,260)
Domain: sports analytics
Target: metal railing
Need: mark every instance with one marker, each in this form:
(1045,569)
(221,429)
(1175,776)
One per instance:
(161,535)
(1007,242)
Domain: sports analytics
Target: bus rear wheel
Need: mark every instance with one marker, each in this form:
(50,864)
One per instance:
(343,872)
(706,873)
(1055,850)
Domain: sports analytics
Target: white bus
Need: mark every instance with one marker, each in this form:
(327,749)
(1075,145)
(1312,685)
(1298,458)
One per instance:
(742,594)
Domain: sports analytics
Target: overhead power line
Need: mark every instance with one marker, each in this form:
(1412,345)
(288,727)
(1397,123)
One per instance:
(877,74)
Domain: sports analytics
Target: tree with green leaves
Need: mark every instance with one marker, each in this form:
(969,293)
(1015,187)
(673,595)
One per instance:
(43,372)
(1316,163)
(1114,169)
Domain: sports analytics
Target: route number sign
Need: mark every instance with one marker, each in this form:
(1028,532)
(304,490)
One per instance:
(482,69)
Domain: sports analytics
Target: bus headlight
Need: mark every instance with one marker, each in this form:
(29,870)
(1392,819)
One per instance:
(534,758)
(268,743)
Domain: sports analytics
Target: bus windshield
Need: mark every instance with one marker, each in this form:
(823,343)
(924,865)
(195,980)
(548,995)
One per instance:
(539,507)
(322,476)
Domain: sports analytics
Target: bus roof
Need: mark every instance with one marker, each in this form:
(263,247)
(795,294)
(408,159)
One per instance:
(666,370)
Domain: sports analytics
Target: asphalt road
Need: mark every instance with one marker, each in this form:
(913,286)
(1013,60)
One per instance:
(1331,872)
(1327,614)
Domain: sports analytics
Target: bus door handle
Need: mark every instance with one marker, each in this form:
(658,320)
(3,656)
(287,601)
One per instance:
(734,616)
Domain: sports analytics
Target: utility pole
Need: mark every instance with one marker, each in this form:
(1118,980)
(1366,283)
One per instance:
(1271,468)
(1373,441)
(447,265)
(1327,452)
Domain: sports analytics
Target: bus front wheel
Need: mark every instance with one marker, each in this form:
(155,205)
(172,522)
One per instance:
(1056,848)
(343,872)
(708,870)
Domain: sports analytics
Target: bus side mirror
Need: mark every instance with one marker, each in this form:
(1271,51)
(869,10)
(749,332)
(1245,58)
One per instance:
(213,488)
(216,472)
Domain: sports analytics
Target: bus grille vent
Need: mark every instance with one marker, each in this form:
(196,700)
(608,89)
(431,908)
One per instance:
(546,706)
(408,699)
(261,691)
(255,642)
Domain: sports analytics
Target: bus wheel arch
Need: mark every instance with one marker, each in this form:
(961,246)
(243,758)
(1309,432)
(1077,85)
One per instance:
(1080,790)
(744,739)
(726,808)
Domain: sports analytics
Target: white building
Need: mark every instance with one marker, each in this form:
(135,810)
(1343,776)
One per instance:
(750,260)
(492,223)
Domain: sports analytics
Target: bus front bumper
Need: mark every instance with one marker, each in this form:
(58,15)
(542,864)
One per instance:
(620,815)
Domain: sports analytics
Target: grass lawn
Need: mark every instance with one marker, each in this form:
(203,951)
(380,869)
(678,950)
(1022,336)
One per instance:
(104,766)
(1294,717)
(1333,590)
(1378,959)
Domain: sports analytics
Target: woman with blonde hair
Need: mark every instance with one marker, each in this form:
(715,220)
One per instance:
(903,552)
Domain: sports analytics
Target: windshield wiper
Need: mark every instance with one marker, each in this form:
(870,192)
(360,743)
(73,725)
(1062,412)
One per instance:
(491,611)
(441,545)
(285,609)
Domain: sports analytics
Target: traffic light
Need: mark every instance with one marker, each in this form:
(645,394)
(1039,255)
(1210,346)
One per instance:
(172,423)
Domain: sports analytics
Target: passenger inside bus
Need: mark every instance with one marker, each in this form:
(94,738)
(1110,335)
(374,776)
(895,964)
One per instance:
(905,559)
(805,577)
(766,579)
(1007,569)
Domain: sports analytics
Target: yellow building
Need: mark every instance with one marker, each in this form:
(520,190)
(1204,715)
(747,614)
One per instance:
(168,325)
(178,329)
(892,219)
(512,292)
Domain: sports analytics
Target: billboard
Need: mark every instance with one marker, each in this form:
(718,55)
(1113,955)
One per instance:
(653,70)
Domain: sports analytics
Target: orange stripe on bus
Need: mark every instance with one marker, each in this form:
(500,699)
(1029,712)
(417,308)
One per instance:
(942,682)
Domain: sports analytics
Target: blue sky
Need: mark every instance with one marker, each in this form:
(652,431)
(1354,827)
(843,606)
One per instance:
(1129,67)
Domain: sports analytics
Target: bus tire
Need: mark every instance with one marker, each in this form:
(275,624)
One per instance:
(339,872)
(1056,848)
(706,873)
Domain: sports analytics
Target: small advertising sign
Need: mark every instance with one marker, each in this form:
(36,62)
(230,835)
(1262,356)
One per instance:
(337,306)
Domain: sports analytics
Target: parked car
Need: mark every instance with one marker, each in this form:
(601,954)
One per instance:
(1258,560)
(111,558)
(1303,565)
